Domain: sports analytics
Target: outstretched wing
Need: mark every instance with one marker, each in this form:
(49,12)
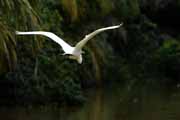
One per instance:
(80,44)
(65,46)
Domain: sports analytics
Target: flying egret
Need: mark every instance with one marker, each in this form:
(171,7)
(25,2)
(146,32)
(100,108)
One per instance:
(74,52)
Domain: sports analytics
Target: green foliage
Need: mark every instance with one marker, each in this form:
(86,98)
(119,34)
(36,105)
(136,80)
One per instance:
(178,2)
(42,73)
(71,7)
(8,57)
(78,10)
(128,9)
(15,15)
(106,6)
(167,58)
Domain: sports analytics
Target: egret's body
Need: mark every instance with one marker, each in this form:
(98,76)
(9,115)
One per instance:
(74,52)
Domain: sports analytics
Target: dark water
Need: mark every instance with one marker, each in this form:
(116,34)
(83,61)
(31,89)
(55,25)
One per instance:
(112,103)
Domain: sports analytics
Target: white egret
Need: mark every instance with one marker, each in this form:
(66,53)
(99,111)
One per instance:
(74,52)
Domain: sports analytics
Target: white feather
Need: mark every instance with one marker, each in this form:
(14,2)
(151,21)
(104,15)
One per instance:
(74,51)
(80,44)
(65,46)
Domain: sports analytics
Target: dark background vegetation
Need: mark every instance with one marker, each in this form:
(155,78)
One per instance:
(32,70)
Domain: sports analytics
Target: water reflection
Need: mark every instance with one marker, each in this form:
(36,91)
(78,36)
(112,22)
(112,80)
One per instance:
(112,103)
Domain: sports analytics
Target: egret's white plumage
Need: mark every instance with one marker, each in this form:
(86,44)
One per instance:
(76,51)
